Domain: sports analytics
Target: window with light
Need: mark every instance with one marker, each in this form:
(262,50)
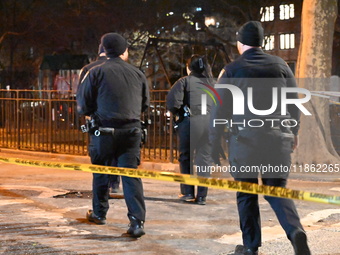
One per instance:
(267,13)
(268,42)
(287,41)
(287,11)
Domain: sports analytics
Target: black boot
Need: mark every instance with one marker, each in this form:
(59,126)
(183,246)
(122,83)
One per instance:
(186,197)
(299,242)
(242,250)
(136,228)
(90,216)
(200,200)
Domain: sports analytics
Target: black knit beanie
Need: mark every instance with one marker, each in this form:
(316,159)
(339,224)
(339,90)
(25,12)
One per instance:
(251,34)
(114,44)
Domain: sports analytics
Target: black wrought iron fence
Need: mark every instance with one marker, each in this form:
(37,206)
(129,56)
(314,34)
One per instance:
(47,121)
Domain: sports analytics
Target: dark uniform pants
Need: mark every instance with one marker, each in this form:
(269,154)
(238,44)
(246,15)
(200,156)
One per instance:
(122,150)
(253,147)
(194,148)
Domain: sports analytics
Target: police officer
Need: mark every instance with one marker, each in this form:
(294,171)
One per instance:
(115,94)
(185,101)
(255,141)
(114,179)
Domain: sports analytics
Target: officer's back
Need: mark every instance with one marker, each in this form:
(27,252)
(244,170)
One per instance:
(264,73)
(115,94)
(119,85)
(115,91)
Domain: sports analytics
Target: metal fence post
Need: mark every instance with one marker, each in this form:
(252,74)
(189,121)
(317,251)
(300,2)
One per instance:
(171,143)
(49,118)
(17,107)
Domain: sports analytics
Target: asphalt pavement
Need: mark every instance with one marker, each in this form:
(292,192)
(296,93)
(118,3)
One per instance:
(38,215)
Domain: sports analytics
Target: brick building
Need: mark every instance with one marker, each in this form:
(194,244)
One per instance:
(282,25)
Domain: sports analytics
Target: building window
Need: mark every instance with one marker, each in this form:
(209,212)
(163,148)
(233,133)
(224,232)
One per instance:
(287,11)
(287,41)
(268,42)
(267,13)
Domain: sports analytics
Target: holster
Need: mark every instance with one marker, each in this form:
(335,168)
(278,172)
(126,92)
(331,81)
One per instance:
(91,125)
(144,126)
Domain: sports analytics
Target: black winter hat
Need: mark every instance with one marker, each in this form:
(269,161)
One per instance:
(114,44)
(251,33)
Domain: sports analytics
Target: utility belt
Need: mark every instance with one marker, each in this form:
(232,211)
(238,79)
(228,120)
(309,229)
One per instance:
(187,112)
(120,123)
(194,113)
(264,127)
(113,127)
(98,131)
(242,136)
(282,125)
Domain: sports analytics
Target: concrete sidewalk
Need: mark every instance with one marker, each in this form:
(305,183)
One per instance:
(33,222)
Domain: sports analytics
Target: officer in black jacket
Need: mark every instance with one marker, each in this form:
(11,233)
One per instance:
(185,101)
(115,94)
(261,139)
(115,179)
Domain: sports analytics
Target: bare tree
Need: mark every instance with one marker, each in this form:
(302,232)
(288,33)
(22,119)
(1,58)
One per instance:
(313,73)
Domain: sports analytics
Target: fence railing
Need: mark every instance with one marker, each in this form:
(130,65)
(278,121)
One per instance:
(47,121)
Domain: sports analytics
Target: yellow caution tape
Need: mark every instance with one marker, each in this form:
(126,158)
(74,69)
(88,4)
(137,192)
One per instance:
(334,102)
(217,183)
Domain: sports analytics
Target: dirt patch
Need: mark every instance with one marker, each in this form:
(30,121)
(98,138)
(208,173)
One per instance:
(333,218)
(15,247)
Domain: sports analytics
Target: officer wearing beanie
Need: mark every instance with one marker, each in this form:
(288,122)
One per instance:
(115,179)
(115,94)
(255,142)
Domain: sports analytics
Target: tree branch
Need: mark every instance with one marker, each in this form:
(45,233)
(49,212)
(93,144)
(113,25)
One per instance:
(2,38)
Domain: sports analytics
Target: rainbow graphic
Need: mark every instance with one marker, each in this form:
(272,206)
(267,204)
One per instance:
(211,92)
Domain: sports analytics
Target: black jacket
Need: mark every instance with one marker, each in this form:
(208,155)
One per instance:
(187,91)
(262,72)
(114,90)
(85,69)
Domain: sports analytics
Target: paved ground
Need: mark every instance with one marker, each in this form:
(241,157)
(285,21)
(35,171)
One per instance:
(33,222)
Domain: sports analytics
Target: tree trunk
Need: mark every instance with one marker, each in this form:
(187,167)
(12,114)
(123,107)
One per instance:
(313,73)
